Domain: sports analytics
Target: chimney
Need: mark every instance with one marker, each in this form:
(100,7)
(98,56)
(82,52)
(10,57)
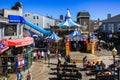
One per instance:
(108,16)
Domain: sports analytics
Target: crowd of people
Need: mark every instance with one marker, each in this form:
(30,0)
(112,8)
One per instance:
(93,65)
(41,55)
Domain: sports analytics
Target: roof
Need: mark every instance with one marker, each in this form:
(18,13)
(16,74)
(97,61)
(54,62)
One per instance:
(20,42)
(113,19)
(83,14)
(68,22)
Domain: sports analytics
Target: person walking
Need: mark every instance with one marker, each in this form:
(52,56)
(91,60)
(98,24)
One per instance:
(34,55)
(29,75)
(84,61)
(38,54)
(59,58)
(48,56)
(42,56)
(19,75)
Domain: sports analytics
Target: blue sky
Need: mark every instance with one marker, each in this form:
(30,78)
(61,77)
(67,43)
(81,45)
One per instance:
(96,8)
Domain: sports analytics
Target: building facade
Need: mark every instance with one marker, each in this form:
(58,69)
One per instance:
(111,25)
(83,18)
(39,20)
(111,31)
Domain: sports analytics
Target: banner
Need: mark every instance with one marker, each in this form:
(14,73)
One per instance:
(3,44)
(67,48)
(20,62)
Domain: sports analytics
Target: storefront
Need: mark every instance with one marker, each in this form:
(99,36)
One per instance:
(18,49)
(3,47)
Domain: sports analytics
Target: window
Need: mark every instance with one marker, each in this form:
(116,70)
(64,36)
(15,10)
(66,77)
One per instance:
(103,26)
(37,17)
(118,26)
(25,15)
(84,22)
(112,27)
(33,17)
(37,24)
(10,30)
(109,27)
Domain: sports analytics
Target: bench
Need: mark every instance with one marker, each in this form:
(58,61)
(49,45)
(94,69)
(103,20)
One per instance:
(67,65)
(95,72)
(105,77)
(69,71)
(69,76)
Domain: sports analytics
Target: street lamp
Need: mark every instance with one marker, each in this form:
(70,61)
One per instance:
(114,52)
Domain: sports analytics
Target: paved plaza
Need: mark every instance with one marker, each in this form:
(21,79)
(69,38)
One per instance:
(41,71)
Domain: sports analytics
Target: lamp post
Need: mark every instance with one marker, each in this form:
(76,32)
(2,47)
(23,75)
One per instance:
(114,52)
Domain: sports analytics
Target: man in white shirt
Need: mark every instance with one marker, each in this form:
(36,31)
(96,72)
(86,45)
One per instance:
(48,56)
(42,56)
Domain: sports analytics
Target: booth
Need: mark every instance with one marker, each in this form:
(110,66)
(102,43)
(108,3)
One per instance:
(18,55)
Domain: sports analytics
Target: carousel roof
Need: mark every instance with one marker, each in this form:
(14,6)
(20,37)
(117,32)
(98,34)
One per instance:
(68,22)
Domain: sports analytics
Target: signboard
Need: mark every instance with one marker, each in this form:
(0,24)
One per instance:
(20,62)
(67,48)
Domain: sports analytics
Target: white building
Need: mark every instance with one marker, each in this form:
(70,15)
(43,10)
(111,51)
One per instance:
(5,26)
(39,20)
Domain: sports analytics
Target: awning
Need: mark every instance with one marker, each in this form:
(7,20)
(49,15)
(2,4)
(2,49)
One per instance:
(1,51)
(21,42)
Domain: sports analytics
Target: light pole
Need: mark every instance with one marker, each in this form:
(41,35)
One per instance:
(114,52)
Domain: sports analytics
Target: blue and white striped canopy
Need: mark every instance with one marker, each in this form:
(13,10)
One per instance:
(68,22)
(53,36)
(75,33)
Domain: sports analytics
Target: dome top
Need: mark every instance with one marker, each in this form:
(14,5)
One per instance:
(19,4)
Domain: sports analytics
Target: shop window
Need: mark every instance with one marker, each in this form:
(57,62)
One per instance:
(10,30)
